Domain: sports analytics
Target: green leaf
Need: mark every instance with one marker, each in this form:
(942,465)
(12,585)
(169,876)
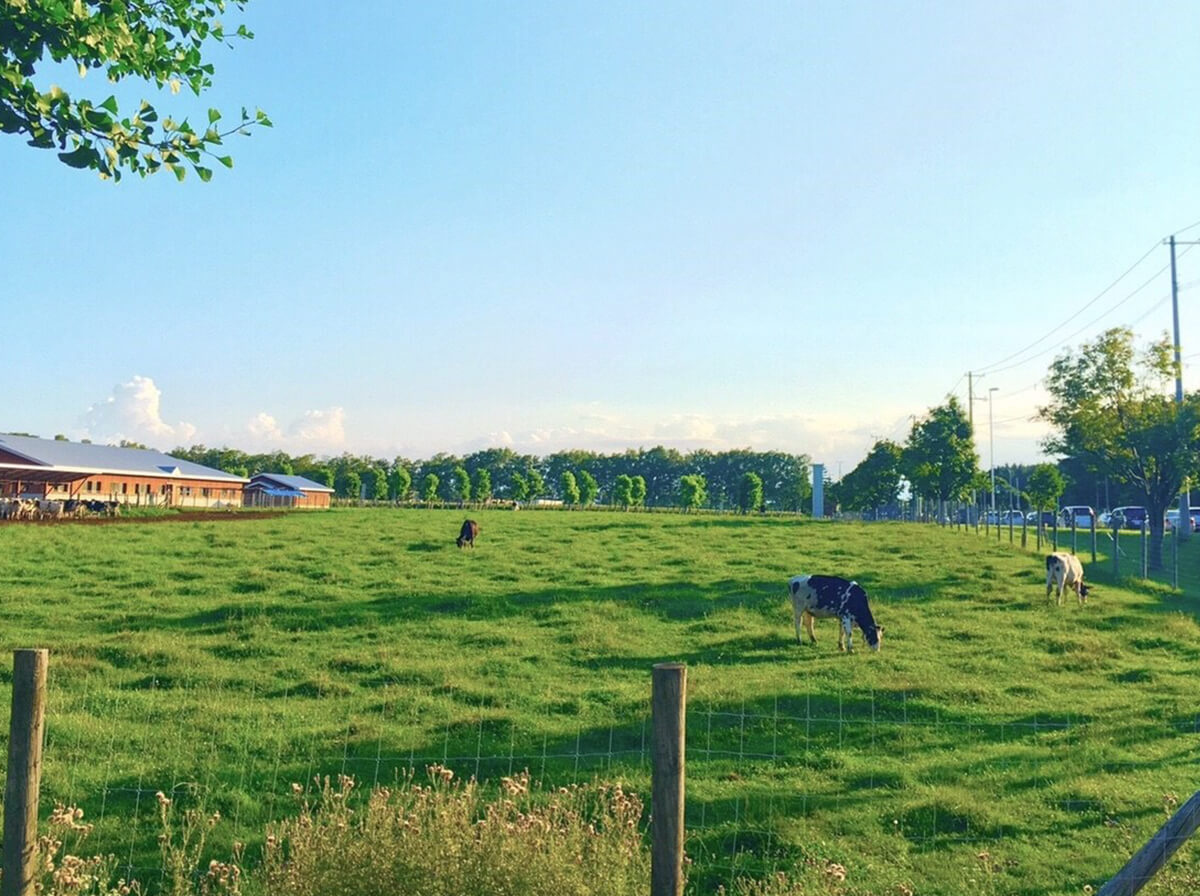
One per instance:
(205,173)
(81,157)
(227,161)
(110,104)
(94,118)
(214,115)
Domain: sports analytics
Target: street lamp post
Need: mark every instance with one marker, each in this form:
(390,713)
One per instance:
(992,447)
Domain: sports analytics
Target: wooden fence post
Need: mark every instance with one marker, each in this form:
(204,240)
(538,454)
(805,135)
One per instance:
(668,707)
(1146,862)
(25,735)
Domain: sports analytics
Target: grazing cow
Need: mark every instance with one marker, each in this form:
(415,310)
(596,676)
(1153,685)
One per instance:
(1064,570)
(468,534)
(814,596)
(25,509)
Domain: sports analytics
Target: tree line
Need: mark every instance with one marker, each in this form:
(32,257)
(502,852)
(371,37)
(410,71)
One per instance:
(656,477)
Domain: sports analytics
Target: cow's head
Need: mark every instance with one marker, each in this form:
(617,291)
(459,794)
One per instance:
(878,642)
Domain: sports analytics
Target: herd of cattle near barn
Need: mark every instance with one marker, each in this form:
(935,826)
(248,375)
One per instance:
(47,478)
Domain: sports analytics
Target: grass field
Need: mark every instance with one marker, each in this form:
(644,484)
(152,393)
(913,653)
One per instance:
(997,743)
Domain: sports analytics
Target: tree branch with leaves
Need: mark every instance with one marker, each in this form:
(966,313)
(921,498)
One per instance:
(159,42)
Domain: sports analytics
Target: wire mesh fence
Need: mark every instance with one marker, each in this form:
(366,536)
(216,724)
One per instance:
(763,778)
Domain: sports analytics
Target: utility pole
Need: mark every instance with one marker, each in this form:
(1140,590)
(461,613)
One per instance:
(1185,497)
(992,449)
(971,399)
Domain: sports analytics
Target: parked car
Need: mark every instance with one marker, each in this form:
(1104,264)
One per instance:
(1048,518)
(1011,518)
(1081,514)
(1173,517)
(1130,517)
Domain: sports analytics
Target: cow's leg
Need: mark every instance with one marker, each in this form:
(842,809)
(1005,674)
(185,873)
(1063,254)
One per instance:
(809,618)
(845,639)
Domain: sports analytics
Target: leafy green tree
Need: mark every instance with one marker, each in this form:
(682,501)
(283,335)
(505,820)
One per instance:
(461,482)
(519,489)
(1045,487)
(537,485)
(588,488)
(692,494)
(875,482)
(570,488)
(401,482)
(349,485)
(429,488)
(1110,408)
(483,485)
(377,484)
(623,490)
(939,458)
(750,492)
(639,491)
(157,42)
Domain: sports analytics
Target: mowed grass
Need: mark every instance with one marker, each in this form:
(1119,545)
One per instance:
(997,743)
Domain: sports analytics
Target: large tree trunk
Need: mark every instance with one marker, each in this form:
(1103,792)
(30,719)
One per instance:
(1155,525)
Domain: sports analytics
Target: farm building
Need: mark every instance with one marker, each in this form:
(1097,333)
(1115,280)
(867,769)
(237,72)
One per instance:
(277,490)
(51,469)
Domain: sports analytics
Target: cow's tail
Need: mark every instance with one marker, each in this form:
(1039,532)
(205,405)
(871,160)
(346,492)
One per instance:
(1049,562)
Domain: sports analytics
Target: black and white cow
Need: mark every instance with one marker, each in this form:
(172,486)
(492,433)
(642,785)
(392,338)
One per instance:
(1064,570)
(814,596)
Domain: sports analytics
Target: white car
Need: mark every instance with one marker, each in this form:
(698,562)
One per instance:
(1173,518)
(1083,516)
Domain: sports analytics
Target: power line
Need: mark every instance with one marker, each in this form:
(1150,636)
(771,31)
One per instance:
(1085,327)
(991,367)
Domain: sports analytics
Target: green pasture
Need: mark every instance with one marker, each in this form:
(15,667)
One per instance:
(996,744)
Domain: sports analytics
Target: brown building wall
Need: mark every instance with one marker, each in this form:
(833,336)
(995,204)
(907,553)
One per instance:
(146,491)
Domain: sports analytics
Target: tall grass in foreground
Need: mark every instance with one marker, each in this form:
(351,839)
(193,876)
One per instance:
(444,838)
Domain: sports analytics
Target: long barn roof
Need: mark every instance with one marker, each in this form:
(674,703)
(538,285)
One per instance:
(25,452)
(295,483)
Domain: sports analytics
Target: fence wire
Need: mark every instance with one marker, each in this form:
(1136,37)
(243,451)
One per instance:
(761,780)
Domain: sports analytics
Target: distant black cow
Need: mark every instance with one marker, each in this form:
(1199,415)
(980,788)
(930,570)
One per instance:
(814,596)
(468,533)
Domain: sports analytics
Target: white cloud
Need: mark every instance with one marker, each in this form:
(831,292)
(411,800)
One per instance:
(320,428)
(133,413)
(264,429)
(318,432)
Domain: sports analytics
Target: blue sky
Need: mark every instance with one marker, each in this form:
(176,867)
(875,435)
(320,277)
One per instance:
(784,226)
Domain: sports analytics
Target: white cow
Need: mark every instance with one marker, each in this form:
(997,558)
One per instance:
(1065,570)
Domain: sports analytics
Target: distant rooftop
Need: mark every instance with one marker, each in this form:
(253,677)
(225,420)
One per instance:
(296,483)
(96,459)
